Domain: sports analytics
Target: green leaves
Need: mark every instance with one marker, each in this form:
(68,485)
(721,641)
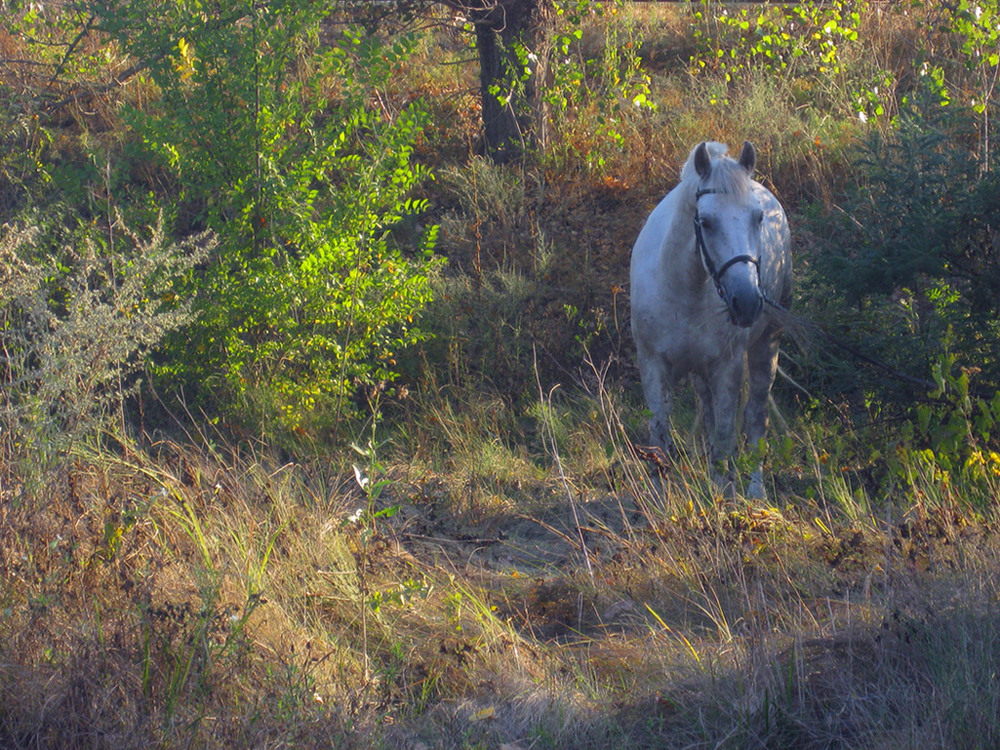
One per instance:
(976,24)
(953,439)
(592,95)
(801,38)
(277,144)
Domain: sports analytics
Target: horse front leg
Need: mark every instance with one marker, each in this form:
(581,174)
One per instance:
(762,364)
(656,385)
(725,398)
(706,408)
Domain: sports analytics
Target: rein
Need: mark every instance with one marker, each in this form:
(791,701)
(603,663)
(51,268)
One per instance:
(852,350)
(699,239)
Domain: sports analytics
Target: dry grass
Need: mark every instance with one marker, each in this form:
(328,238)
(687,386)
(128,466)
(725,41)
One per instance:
(175,595)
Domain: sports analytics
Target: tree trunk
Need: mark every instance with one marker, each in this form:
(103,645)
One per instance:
(500,27)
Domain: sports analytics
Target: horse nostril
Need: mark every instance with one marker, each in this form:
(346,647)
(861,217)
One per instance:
(737,306)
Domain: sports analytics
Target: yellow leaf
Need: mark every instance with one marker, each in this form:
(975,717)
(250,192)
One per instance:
(484,714)
(184,63)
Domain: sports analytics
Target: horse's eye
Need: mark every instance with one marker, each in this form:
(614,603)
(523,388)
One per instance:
(705,224)
(758,217)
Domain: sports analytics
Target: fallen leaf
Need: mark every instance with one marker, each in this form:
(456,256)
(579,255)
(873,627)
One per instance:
(483,715)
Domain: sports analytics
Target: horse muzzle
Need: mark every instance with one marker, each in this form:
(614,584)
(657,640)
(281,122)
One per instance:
(742,295)
(744,305)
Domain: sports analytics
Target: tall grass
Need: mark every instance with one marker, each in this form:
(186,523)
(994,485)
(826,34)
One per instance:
(180,595)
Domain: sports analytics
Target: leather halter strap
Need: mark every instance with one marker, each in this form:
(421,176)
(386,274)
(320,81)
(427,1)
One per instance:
(716,274)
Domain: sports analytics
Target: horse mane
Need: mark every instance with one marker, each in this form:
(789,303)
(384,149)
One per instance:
(727,175)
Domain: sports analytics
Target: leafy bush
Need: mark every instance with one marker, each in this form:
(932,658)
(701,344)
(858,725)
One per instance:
(589,97)
(279,143)
(814,45)
(797,39)
(949,452)
(911,254)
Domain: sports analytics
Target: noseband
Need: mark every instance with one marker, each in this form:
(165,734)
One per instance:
(700,243)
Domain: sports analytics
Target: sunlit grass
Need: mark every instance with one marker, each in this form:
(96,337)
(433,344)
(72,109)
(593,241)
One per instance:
(257,584)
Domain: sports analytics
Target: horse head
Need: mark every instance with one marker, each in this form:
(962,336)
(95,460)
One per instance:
(727,225)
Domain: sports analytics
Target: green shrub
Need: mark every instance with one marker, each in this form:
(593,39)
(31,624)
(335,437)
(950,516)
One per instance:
(278,144)
(949,450)
(910,254)
(794,39)
(591,97)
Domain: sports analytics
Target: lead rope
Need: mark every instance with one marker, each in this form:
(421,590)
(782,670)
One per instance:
(717,278)
(853,351)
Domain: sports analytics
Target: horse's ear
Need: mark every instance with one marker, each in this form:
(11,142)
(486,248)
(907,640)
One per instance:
(702,164)
(748,157)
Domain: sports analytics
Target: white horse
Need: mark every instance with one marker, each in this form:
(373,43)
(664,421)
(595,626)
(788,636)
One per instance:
(707,258)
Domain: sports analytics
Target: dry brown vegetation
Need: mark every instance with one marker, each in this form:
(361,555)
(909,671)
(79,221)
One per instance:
(184,596)
(494,566)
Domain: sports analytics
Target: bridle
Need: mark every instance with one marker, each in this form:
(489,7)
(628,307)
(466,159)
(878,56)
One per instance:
(716,274)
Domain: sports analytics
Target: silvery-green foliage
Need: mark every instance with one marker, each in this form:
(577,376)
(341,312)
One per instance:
(75,332)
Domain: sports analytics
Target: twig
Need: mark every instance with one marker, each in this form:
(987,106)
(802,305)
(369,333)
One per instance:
(69,52)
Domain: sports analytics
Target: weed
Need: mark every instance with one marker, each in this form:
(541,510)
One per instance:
(78,326)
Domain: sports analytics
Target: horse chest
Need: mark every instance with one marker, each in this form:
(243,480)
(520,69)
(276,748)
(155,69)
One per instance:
(689,332)
(693,342)
(703,354)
